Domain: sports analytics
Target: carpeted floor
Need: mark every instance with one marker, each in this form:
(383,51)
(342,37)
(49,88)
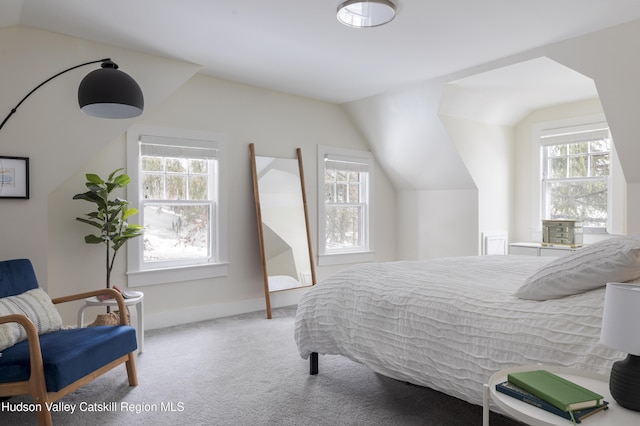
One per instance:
(245,370)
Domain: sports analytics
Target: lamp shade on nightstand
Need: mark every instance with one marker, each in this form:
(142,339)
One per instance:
(621,331)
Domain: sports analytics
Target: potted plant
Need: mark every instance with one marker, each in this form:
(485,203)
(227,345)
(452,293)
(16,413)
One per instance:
(110,215)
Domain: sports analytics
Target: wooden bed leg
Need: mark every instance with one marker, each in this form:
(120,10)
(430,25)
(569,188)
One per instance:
(313,363)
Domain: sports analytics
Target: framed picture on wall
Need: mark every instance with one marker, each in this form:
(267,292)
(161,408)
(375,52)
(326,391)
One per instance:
(14,177)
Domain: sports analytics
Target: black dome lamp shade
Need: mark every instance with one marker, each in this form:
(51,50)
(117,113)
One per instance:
(104,93)
(110,93)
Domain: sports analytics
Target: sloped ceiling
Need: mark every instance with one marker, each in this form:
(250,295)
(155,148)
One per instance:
(506,95)
(298,47)
(409,140)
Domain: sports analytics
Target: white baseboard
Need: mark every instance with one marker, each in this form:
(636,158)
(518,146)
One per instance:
(206,312)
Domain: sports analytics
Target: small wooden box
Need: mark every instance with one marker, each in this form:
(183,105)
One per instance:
(562,233)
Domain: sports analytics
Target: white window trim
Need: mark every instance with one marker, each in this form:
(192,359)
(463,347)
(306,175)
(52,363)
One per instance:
(351,256)
(615,221)
(142,277)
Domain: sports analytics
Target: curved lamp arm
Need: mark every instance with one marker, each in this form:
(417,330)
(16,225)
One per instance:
(13,111)
(132,92)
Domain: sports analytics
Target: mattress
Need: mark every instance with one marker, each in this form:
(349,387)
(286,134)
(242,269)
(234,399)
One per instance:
(449,323)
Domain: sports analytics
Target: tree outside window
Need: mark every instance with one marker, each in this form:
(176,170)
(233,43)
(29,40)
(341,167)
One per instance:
(345,207)
(575,183)
(345,215)
(178,202)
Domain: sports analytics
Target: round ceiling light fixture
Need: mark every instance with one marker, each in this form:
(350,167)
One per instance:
(366,13)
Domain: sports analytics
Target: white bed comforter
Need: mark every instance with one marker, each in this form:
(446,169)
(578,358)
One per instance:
(449,323)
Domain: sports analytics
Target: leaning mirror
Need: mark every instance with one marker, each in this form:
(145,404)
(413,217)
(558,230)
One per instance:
(283,223)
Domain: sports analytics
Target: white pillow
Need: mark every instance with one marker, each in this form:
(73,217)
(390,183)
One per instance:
(612,260)
(34,304)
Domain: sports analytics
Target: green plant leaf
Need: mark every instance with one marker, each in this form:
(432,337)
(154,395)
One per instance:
(113,173)
(89,222)
(94,179)
(128,213)
(122,180)
(93,239)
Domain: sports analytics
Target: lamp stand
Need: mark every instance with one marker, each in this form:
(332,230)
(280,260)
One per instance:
(624,383)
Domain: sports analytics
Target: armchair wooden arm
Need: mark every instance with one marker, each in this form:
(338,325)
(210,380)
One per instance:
(36,384)
(36,388)
(124,318)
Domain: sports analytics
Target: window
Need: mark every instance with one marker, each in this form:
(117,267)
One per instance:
(178,186)
(575,174)
(345,216)
(179,193)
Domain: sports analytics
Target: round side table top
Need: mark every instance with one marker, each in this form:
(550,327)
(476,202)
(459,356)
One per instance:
(94,301)
(614,416)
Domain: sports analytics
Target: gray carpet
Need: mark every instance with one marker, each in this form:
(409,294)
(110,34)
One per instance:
(245,370)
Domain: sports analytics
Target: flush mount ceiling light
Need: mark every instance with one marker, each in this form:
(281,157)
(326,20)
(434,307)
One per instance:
(366,13)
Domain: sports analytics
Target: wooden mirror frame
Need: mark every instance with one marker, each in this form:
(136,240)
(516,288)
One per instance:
(261,238)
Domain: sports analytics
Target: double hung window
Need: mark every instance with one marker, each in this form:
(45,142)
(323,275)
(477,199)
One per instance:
(575,174)
(178,189)
(178,203)
(345,179)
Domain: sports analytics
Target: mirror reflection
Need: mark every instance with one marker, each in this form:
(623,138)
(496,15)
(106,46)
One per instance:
(283,221)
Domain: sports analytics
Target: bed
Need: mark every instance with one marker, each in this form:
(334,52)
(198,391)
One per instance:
(450,323)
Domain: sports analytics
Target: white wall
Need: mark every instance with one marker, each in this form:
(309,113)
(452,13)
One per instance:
(407,136)
(50,129)
(633,207)
(487,151)
(276,124)
(437,224)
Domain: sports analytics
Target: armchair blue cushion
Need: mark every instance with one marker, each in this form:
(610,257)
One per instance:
(52,365)
(68,355)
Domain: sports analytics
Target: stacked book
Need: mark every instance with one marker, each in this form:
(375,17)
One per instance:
(553,393)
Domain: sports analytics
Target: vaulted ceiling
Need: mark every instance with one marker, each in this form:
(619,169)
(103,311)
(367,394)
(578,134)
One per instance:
(298,46)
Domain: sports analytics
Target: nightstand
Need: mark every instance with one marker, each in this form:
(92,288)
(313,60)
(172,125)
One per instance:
(614,416)
(133,301)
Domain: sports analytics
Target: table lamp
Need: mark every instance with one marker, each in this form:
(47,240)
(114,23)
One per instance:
(621,331)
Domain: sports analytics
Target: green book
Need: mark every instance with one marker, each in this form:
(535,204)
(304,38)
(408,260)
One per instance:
(524,396)
(560,392)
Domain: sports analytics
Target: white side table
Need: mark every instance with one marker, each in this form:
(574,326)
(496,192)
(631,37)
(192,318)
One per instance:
(134,301)
(614,416)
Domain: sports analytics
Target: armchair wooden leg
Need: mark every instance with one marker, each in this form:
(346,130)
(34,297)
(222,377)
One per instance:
(44,416)
(38,390)
(131,370)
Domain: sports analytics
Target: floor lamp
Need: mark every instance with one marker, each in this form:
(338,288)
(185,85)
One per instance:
(106,92)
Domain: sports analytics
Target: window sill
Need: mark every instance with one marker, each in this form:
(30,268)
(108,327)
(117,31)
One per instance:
(178,274)
(344,258)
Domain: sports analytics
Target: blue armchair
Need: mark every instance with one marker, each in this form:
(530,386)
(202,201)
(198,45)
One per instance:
(49,361)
